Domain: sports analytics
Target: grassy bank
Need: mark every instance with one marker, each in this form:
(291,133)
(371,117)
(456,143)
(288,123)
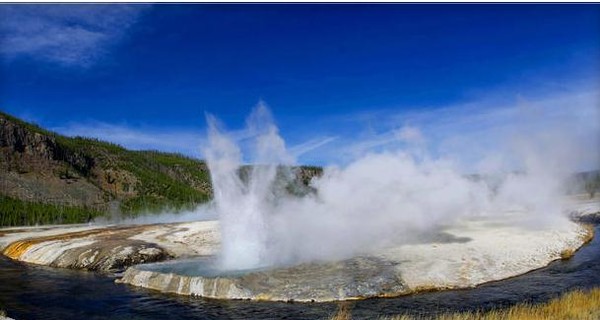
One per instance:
(575,305)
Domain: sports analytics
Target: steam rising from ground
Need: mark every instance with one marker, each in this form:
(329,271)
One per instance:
(377,200)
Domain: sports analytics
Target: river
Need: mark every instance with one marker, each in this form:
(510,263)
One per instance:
(37,292)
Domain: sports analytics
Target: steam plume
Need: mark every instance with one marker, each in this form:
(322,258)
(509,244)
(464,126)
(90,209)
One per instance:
(378,199)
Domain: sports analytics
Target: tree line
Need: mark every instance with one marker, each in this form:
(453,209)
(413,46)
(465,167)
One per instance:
(16,212)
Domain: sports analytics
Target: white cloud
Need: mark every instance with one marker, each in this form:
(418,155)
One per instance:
(181,141)
(476,136)
(66,34)
(409,134)
(468,133)
(189,142)
(310,145)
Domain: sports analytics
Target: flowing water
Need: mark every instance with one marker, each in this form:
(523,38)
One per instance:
(35,292)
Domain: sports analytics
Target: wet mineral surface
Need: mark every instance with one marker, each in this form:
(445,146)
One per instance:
(341,280)
(465,255)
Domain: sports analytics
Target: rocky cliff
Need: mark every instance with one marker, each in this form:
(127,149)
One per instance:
(34,167)
(43,167)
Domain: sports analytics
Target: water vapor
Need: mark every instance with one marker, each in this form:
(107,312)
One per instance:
(379,199)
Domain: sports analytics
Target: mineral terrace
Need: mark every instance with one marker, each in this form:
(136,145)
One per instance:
(467,254)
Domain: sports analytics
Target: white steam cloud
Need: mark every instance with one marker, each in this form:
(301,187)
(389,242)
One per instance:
(378,199)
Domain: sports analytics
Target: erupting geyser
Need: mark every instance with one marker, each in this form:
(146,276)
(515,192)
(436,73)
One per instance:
(379,200)
(386,224)
(244,205)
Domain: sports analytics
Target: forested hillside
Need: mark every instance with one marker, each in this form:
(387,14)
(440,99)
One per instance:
(46,177)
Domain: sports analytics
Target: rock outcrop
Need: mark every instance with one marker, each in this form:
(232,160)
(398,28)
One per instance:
(354,278)
(110,249)
(34,167)
(94,250)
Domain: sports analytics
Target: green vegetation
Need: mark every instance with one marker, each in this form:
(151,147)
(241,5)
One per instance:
(29,126)
(139,181)
(15,212)
(164,181)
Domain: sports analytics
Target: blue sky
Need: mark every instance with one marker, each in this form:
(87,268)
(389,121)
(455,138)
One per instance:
(341,80)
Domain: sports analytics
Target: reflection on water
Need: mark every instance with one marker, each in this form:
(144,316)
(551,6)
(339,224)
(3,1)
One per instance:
(33,292)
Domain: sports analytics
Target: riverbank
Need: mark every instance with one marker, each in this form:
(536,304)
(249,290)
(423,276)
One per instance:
(109,248)
(574,305)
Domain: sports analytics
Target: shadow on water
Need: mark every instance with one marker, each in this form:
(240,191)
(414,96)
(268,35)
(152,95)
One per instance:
(34,292)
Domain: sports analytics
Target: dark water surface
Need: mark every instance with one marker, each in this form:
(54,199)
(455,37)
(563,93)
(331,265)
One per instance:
(35,292)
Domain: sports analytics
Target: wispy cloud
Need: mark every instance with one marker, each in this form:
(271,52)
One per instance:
(189,142)
(182,141)
(470,132)
(310,145)
(65,34)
